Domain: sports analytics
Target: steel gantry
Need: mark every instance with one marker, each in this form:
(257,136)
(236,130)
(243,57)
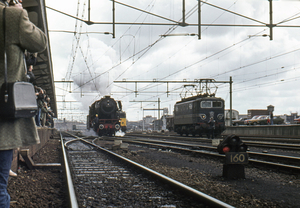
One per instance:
(202,83)
(183,23)
(149,109)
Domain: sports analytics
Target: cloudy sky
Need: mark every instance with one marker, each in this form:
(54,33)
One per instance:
(264,72)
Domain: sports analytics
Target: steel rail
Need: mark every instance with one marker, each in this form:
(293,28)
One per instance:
(249,143)
(274,145)
(214,148)
(221,155)
(252,137)
(272,139)
(186,189)
(71,190)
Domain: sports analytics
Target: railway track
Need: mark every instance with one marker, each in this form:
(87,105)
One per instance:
(283,162)
(100,178)
(276,143)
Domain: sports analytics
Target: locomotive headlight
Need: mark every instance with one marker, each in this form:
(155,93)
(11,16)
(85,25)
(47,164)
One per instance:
(117,126)
(220,116)
(202,116)
(101,126)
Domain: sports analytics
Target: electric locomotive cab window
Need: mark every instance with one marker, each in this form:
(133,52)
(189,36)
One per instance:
(217,104)
(211,104)
(205,104)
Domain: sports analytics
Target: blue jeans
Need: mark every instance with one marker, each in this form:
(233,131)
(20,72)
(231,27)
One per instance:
(5,165)
(38,117)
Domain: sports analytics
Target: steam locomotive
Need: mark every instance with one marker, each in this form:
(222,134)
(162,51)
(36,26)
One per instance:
(106,117)
(191,115)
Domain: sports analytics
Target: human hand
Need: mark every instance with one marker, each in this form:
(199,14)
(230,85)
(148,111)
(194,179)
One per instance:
(18,6)
(16,3)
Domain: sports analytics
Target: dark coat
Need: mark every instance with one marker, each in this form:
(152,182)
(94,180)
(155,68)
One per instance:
(31,78)
(212,124)
(21,35)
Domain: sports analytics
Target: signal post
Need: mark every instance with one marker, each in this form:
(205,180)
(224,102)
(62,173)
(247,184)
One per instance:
(236,157)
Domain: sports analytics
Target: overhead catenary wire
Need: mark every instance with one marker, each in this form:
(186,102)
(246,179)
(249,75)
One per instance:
(240,67)
(74,48)
(280,80)
(267,60)
(146,49)
(142,52)
(76,40)
(195,63)
(263,76)
(119,39)
(257,62)
(116,64)
(188,65)
(180,70)
(232,70)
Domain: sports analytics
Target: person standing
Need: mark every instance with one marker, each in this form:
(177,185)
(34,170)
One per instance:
(211,128)
(40,100)
(30,75)
(96,123)
(21,34)
(44,113)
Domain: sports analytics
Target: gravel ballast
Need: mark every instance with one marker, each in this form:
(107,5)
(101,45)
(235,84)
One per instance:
(261,188)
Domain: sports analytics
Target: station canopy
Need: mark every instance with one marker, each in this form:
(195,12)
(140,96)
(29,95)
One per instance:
(43,70)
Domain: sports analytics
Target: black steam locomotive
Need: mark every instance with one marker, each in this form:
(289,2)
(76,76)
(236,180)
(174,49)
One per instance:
(106,116)
(191,115)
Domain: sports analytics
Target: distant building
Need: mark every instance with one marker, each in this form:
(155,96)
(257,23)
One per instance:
(148,122)
(289,119)
(134,125)
(167,122)
(149,119)
(257,112)
(235,116)
(157,125)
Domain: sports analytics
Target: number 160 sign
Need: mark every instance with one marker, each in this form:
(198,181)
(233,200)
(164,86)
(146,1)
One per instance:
(236,158)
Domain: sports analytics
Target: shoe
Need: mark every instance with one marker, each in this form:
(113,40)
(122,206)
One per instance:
(13,174)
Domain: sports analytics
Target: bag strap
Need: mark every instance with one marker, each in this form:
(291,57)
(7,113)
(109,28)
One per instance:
(5,59)
(4,46)
(25,64)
